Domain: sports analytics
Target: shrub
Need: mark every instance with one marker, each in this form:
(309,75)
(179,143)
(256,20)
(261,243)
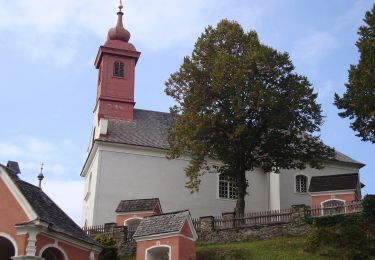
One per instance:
(109,247)
(369,206)
(334,220)
(343,241)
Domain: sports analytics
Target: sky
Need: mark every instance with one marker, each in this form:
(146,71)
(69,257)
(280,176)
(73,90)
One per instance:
(48,87)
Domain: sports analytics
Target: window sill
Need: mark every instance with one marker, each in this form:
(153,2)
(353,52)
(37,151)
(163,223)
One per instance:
(301,193)
(226,199)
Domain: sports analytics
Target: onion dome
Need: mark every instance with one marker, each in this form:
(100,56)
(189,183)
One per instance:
(119,32)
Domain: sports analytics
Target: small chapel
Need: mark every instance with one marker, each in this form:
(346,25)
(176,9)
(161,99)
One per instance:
(126,157)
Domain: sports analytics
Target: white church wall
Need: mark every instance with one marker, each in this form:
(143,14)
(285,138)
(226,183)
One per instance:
(288,194)
(127,172)
(90,191)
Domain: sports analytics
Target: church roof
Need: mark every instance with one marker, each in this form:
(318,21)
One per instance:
(161,224)
(48,211)
(150,129)
(138,205)
(334,182)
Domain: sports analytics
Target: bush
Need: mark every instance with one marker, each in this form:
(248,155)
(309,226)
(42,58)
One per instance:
(330,221)
(369,206)
(109,247)
(344,241)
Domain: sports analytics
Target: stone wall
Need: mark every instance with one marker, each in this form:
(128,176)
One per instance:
(297,226)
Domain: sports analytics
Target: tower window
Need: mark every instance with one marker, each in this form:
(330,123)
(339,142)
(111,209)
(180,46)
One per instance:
(118,69)
(301,184)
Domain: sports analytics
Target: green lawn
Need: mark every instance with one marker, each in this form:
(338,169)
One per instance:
(288,248)
(277,248)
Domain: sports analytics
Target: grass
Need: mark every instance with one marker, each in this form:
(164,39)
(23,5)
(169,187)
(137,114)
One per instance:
(288,248)
(276,248)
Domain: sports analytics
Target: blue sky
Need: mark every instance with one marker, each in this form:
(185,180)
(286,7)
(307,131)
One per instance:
(48,87)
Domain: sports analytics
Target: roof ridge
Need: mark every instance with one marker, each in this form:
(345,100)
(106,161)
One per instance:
(148,110)
(169,213)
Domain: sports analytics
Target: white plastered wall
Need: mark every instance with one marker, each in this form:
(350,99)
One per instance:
(288,195)
(126,172)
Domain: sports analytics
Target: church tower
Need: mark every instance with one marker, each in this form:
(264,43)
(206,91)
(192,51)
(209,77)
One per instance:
(116,61)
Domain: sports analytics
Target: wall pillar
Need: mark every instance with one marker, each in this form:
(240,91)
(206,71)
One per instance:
(108,227)
(299,213)
(207,224)
(31,244)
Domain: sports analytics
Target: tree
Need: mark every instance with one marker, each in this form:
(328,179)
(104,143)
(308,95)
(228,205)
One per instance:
(239,102)
(358,101)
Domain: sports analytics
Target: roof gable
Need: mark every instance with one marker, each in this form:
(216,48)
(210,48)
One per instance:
(171,222)
(138,205)
(43,208)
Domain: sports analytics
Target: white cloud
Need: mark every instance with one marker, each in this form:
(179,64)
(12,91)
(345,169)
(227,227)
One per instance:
(52,30)
(31,152)
(65,194)
(314,47)
(325,91)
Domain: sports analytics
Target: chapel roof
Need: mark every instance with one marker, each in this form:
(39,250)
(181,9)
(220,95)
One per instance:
(48,211)
(138,205)
(150,129)
(161,224)
(334,182)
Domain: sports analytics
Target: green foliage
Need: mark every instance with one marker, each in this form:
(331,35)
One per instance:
(109,247)
(358,101)
(369,206)
(343,241)
(240,102)
(276,249)
(330,221)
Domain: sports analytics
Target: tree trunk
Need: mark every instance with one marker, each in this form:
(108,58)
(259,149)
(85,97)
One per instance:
(241,186)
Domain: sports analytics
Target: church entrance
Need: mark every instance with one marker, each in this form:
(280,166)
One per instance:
(7,249)
(158,253)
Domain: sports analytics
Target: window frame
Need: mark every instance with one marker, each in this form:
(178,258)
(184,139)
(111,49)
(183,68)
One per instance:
(229,188)
(299,191)
(118,66)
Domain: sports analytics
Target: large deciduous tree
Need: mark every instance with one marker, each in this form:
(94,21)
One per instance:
(358,101)
(240,103)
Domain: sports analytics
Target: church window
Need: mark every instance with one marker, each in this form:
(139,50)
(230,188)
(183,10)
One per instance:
(118,69)
(301,184)
(227,188)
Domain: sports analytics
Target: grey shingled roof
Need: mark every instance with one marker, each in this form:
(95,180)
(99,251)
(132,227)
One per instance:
(150,129)
(48,211)
(138,205)
(334,182)
(161,224)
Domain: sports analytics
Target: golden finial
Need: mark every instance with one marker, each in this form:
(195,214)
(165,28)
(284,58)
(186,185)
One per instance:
(120,5)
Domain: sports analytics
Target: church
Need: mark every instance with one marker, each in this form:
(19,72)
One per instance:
(126,157)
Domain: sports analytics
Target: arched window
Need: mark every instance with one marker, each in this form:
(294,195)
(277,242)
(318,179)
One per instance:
(118,69)
(333,207)
(301,183)
(132,223)
(161,252)
(53,252)
(7,248)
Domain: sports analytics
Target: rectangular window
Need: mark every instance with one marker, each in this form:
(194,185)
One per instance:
(227,188)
